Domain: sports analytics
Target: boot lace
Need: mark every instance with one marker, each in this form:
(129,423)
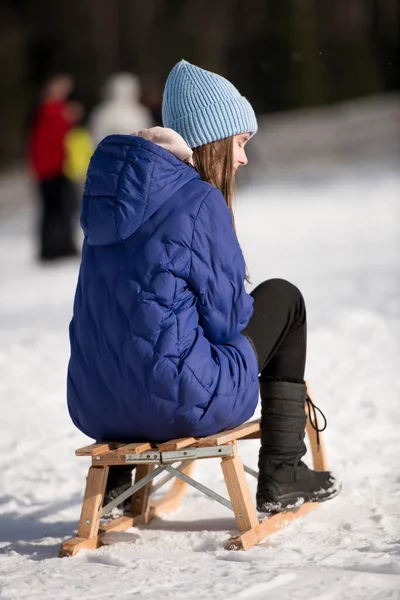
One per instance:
(312,415)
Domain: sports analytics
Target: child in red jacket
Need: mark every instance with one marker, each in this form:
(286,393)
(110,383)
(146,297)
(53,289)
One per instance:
(47,157)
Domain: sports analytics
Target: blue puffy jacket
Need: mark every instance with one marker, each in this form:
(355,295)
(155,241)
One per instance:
(156,348)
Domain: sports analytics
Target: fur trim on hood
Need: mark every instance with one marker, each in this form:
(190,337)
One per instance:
(168,139)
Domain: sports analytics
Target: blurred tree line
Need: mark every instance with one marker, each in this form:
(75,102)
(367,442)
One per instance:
(282,54)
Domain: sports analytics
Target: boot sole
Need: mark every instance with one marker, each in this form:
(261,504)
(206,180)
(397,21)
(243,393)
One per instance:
(292,502)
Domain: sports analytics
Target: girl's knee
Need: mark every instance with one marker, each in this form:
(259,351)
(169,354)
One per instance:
(280,287)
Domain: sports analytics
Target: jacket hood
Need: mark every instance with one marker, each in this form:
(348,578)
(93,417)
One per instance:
(128,180)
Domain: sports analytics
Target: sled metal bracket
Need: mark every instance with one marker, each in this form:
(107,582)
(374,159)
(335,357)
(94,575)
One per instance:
(132,490)
(183,465)
(199,486)
(173,472)
(250,471)
(152,456)
(195,453)
(155,456)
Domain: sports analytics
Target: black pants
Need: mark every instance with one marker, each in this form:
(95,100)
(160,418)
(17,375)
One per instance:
(56,227)
(278,330)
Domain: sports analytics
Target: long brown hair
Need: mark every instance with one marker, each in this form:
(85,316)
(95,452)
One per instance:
(214,162)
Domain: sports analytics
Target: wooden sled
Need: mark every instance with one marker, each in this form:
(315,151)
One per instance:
(152,460)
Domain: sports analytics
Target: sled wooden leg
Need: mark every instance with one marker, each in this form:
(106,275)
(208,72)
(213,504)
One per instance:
(172,499)
(317,451)
(239,493)
(73,545)
(90,516)
(140,502)
(252,531)
(92,502)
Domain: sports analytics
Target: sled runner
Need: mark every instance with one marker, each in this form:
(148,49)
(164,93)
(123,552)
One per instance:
(175,460)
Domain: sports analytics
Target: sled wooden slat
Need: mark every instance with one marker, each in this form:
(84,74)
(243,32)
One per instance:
(144,507)
(176,444)
(92,450)
(136,448)
(255,435)
(230,435)
(98,448)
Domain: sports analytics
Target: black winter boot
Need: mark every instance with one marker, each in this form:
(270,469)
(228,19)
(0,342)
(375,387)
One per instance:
(119,480)
(284,481)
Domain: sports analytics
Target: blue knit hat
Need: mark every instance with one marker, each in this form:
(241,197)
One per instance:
(204,107)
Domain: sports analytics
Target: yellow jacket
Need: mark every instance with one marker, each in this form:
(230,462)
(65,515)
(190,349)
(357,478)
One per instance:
(78,152)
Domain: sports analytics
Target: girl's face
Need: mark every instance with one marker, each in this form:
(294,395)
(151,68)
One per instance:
(239,154)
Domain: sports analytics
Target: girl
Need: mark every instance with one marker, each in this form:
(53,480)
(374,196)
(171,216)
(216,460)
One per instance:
(165,341)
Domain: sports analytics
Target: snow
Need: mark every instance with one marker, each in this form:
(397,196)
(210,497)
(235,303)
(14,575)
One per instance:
(338,241)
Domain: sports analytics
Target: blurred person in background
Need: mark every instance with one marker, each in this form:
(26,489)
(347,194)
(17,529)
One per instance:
(46,153)
(121,110)
(165,340)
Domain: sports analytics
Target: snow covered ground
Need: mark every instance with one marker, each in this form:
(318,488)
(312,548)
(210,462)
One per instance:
(339,241)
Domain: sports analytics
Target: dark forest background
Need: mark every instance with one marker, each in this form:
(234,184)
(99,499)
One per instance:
(282,54)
